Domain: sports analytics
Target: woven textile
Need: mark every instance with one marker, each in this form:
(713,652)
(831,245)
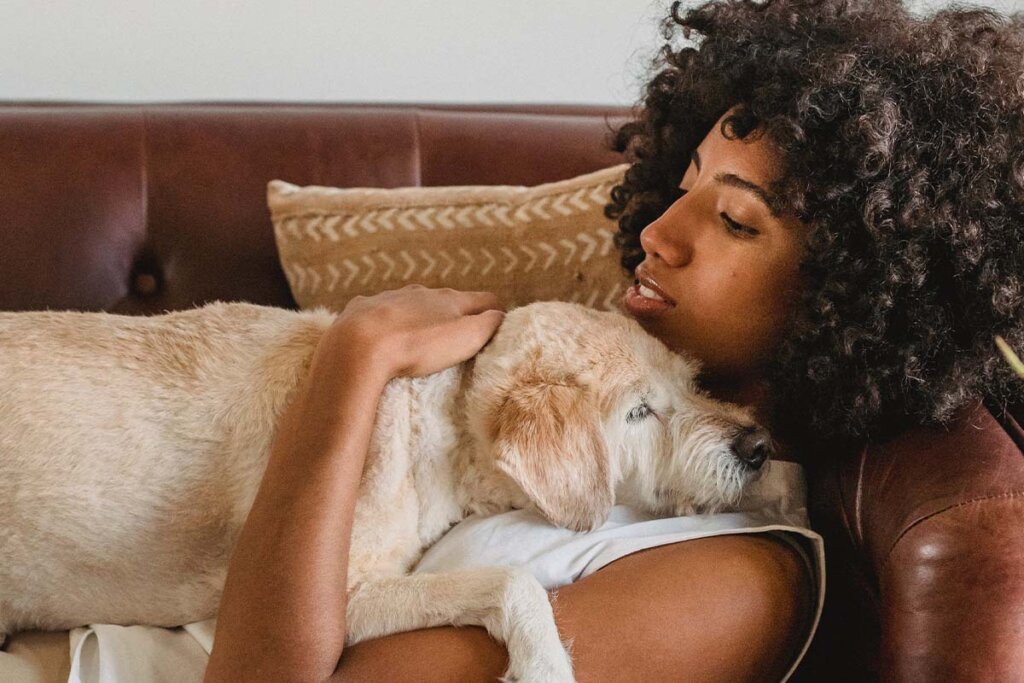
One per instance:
(525,244)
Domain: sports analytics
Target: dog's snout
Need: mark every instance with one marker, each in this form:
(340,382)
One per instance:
(753,446)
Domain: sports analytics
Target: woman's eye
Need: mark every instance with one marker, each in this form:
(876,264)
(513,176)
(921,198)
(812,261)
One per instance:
(640,412)
(735,227)
(731,225)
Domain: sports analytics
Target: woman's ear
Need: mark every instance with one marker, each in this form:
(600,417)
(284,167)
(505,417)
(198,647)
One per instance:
(550,442)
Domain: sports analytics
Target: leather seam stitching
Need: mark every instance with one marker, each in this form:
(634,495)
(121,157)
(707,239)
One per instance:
(858,516)
(846,515)
(1008,495)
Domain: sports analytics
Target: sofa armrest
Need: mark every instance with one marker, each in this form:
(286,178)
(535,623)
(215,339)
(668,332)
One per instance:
(952,590)
(924,545)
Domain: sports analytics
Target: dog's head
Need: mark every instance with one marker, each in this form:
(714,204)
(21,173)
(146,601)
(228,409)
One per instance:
(582,409)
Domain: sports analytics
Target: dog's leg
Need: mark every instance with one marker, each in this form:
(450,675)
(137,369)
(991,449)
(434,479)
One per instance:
(509,602)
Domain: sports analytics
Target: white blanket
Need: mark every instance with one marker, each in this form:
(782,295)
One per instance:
(121,654)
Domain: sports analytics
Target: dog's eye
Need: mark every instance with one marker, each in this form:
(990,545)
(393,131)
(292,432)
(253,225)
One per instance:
(640,412)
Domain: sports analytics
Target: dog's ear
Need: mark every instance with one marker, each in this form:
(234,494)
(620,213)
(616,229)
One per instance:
(549,441)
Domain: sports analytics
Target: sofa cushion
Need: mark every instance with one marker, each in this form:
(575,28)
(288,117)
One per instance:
(547,242)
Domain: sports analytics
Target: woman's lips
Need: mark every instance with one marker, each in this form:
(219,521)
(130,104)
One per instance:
(638,304)
(644,278)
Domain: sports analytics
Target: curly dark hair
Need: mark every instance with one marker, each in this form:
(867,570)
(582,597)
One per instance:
(903,145)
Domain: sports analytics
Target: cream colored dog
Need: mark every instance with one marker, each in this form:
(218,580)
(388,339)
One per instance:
(131,449)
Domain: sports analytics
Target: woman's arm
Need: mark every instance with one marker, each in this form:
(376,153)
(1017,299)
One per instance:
(282,613)
(281,616)
(728,608)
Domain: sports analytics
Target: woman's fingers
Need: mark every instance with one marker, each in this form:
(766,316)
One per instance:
(473,302)
(461,340)
(483,326)
(419,330)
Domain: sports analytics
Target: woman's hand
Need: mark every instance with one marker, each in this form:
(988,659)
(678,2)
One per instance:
(282,613)
(416,330)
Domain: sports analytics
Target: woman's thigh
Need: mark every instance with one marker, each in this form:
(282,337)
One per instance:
(728,608)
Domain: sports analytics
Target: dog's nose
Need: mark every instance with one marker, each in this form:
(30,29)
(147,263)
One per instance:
(753,446)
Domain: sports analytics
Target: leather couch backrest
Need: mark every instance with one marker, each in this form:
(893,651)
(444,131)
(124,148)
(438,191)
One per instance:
(139,209)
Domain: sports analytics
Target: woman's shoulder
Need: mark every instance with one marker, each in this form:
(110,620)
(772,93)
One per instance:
(696,600)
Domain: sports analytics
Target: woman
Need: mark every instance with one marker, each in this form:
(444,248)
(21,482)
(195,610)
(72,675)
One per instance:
(854,291)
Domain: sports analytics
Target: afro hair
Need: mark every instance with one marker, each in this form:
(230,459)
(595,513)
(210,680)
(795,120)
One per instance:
(902,138)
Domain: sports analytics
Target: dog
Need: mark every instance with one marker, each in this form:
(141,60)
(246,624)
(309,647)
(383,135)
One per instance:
(131,449)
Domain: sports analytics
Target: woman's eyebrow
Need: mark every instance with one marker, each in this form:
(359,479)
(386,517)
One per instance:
(733,180)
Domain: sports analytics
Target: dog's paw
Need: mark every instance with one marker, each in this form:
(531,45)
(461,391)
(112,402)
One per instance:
(553,667)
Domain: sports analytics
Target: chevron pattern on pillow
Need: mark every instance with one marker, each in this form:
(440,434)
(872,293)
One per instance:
(541,243)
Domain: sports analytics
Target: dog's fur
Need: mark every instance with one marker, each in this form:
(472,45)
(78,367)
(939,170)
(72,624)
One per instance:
(131,449)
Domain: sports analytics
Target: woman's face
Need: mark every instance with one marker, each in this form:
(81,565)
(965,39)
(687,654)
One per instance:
(728,266)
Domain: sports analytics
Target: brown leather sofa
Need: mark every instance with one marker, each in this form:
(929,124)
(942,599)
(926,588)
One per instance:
(140,209)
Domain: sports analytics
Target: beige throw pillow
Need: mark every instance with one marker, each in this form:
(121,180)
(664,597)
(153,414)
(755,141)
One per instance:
(542,243)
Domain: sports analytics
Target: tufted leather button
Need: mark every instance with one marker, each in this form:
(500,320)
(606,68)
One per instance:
(145,284)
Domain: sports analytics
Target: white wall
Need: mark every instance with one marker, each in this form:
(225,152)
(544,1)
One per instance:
(570,51)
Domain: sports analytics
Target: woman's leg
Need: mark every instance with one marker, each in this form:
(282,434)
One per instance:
(729,608)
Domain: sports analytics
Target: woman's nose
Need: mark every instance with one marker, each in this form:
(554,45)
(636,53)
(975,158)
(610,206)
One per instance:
(664,237)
